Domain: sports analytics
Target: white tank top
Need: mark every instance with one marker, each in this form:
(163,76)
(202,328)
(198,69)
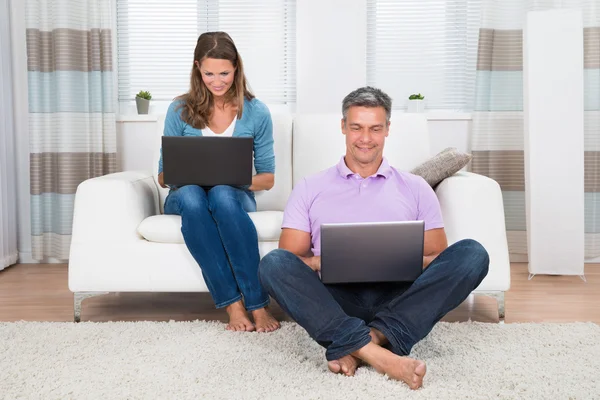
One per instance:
(228,132)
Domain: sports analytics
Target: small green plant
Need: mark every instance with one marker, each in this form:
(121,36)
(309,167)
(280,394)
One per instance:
(144,95)
(416,97)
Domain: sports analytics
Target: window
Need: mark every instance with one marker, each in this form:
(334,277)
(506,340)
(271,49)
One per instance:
(424,46)
(156,41)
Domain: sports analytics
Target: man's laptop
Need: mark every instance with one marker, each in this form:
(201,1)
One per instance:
(372,252)
(207,161)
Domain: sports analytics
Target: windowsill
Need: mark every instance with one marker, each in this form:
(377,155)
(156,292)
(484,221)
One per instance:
(448,116)
(137,118)
(430,115)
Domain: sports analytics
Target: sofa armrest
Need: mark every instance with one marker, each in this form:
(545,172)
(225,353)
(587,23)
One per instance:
(472,208)
(110,208)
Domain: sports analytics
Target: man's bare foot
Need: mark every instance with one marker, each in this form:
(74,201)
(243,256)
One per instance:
(404,369)
(346,365)
(238,318)
(264,320)
(378,338)
(408,370)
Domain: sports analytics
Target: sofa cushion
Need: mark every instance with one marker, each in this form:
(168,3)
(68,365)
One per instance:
(444,164)
(167,228)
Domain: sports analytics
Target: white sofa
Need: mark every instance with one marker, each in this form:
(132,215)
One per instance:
(121,242)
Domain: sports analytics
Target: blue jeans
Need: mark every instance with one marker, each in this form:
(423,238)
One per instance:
(222,238)
(339,317)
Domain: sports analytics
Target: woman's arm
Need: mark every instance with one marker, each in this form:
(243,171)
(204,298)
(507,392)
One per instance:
(264,152)
(161,180)
(173,127)
(264,181)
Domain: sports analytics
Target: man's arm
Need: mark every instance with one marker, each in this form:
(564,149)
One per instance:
(298,242)
(435,243)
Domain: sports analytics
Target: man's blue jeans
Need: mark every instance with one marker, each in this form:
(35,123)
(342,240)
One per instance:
(223,240)
(339,317)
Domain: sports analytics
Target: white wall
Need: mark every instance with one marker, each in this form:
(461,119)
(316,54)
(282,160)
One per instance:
(331,51)
(136,141)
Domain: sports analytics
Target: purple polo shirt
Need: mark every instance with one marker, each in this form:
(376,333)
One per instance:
(339,195)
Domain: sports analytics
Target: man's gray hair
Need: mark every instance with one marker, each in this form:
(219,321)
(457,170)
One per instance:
(367,97)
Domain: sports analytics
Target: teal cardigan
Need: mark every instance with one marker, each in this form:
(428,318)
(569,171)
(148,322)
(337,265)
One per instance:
(255,122)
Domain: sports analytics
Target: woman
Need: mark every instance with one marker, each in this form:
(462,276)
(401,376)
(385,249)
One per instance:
(214,222)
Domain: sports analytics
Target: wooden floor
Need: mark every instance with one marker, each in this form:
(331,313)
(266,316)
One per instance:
(39,292)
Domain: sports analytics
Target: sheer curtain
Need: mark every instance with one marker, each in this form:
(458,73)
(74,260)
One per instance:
(8,173)
(497,134)
(424,46)
(261,29)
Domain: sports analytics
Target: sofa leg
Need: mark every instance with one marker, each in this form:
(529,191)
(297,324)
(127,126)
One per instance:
(499,296)
(78,298)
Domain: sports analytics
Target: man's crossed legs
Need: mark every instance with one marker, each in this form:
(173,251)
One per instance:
(376,323)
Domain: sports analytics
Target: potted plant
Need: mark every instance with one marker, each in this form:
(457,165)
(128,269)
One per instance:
(416,103)
(142,101)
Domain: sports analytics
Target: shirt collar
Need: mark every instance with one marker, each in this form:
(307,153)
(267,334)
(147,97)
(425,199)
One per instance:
(384,169)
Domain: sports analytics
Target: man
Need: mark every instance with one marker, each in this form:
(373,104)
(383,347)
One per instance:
(376,323)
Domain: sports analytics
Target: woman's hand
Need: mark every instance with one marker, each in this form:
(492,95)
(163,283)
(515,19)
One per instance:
(161,180)
(263,181)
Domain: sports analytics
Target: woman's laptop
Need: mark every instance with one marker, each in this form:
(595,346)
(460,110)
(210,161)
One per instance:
(207,161)
(372,252)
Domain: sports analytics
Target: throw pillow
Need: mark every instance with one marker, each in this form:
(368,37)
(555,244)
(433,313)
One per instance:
(444,164)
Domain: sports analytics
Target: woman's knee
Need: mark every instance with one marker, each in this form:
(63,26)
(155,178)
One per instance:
(191,198)
(223,198)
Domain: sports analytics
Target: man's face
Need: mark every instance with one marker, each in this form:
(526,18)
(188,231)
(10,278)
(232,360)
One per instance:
(366,129)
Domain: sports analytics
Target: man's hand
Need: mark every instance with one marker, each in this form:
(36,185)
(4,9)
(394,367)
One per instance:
(313,262)
(298,242)
(427,260)
(161,180)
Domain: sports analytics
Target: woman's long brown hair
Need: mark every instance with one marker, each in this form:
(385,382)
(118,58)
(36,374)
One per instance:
(198,103)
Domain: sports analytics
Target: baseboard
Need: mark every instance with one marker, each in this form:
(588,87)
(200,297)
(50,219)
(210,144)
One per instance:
(518,258)
(26,258)
(522,258)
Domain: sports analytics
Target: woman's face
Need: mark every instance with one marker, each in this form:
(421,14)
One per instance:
(217,75)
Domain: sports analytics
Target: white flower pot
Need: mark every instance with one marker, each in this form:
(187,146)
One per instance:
(416,106)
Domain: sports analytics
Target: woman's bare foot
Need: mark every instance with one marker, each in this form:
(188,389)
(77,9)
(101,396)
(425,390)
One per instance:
(404,369)
(264,320)
(238,318)
(346,365)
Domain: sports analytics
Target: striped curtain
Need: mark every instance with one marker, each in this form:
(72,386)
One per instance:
(498,128)
(72,125)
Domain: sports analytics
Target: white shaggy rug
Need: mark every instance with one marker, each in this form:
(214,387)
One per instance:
(192,360)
